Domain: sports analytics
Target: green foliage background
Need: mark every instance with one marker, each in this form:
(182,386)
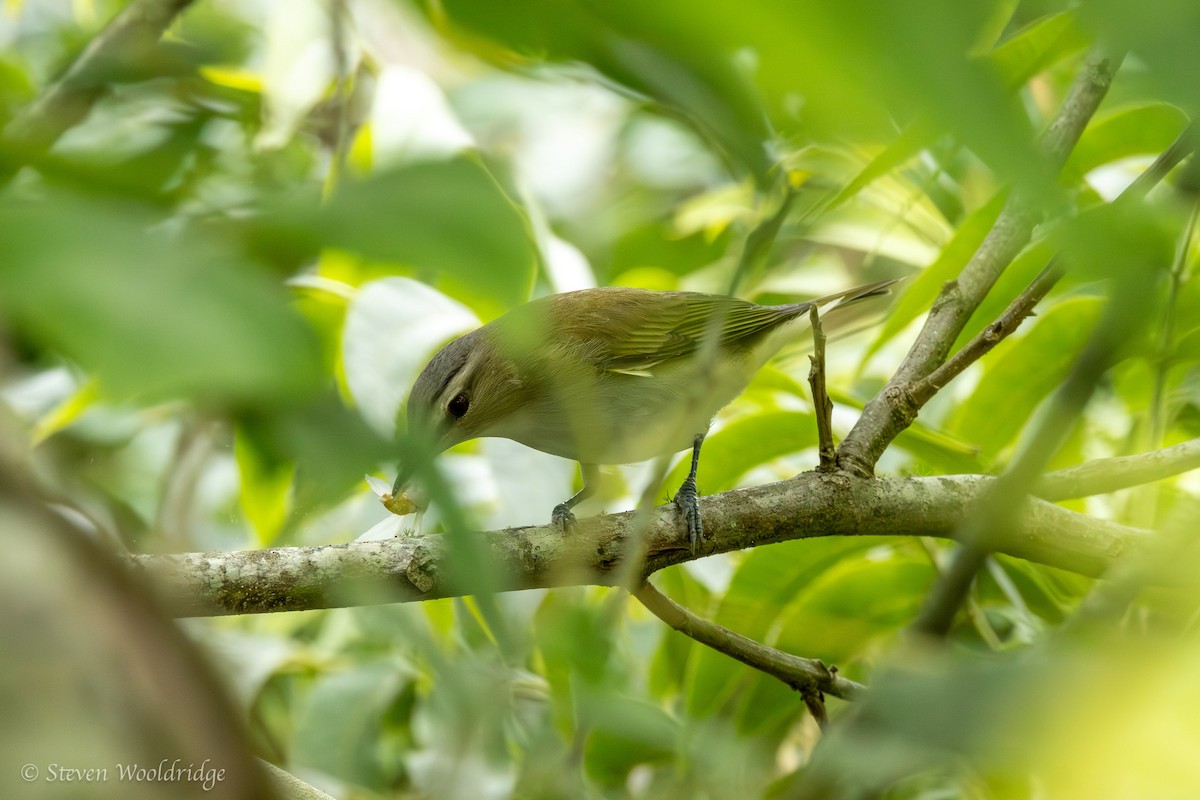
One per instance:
(216,289)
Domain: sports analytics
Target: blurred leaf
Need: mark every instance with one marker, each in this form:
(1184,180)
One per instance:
(625,731)
(65,412)
(15,89)
(241,79)
(1162,34)
(266,489)
(902,149)
(1020,372)
(153,315)
(1049,593)
(1147,129)
(1131,241)
(668,670)
(918,294)
(1037,47)
(769,708)
(574,638)
(448,217)
(994,25)
(338,724)
(712,212)
(645,47)
(929,73)
(1187,347)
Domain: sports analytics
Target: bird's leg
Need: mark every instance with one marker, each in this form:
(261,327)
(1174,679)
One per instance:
(687,499)
(561,517)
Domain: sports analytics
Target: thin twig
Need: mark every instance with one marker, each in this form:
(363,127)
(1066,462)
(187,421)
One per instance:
(814,701)
(890,412)
(1004,326)
(1106,475)
(822,405)
(806,675)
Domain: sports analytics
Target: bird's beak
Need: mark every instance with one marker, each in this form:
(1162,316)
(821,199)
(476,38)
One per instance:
(403,478)
(421,446)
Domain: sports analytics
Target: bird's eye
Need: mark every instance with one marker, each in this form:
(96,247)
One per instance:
(458,406)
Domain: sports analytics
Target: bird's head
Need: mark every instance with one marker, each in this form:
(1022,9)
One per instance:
(466,389)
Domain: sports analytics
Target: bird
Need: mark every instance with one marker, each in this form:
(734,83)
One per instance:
(609,375)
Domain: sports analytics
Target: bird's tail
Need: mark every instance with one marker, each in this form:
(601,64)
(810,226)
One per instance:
(857,304)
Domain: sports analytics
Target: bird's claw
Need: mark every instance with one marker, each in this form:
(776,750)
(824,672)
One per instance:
(562,518)
(687,500)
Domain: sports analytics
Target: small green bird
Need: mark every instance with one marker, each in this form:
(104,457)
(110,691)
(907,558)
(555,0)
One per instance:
(606,376)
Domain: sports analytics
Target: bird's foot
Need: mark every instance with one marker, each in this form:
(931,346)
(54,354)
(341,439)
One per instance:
(687,500)
(562,518)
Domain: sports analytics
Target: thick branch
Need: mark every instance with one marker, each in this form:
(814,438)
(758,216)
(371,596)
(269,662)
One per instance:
(809,505)
(1112,474)
(891,411)
(67,101)
(802,674)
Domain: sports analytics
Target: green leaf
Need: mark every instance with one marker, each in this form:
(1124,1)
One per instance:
(328,446)
(996,22)
(1037,47)
(657,50)
(151,313)
(858,600)
(266,489)
(902,149)
(669,667)
(766,579)
(1021,372)
(743,445)
(918,294)
(65,413)
(450,218)
(625,731)
(1137,130)
(1162,33)
(338,724)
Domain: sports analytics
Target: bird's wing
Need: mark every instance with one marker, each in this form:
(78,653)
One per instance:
(672,325)
(631,331)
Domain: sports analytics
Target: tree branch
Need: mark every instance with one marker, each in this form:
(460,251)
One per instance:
(822,405)
(67,101)
(805,675)
(891,411)
(1106,475)
(1005,325)
(1000,504)
(415,568)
